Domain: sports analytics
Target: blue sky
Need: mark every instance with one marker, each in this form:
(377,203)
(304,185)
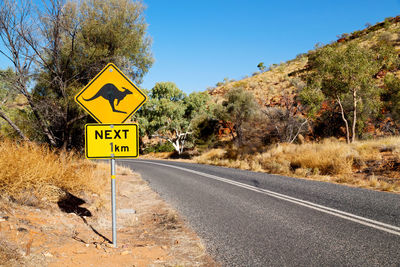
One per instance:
(197,43)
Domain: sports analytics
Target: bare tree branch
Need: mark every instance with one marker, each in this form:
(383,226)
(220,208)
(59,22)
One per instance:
(14,21)
(15,127)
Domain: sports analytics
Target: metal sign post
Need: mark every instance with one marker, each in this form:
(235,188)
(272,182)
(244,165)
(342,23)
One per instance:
(113,204)
(111,99)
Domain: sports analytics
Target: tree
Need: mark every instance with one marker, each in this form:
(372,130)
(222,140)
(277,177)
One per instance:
(261,66)
(285,123)
(345,74)
(238,107)
(14,25)
(71,43)
(392,95)
(7,95)
(169,112)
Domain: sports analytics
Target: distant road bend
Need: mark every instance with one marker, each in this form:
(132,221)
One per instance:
(257,219)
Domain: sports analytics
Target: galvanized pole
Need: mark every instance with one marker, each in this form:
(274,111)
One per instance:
(113,204)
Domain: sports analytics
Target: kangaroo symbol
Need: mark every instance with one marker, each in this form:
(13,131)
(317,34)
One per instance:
(111,93)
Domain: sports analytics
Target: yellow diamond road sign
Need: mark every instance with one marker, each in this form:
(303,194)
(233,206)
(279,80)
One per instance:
(110,97)
(107,141)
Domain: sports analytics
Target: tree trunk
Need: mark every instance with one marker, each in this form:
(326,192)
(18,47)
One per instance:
(353,137)
(15,127)
(298,131)
(239,134)
(176,145)
(344,119)
(66,137)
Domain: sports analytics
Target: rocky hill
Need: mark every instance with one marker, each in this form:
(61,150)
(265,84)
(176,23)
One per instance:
(273,87)
(268,86)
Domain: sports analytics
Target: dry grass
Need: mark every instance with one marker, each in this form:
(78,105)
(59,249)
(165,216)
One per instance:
(364,163)
(8,252)
(31,173)
(157,155)
(123,170)
(327,158)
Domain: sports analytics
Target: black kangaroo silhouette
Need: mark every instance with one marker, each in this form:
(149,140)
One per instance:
(111,93)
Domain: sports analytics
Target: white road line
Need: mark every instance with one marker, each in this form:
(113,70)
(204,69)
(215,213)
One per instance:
(338,213)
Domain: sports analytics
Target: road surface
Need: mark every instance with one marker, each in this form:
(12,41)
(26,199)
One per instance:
(256,219)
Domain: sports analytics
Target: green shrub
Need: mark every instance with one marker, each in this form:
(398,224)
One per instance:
(160,147)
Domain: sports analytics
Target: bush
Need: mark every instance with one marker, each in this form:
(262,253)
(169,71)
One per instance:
(160,147)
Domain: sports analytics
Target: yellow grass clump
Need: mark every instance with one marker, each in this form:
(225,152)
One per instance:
(31,173)
(329,160)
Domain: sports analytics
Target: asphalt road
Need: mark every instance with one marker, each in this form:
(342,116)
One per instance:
(256,219)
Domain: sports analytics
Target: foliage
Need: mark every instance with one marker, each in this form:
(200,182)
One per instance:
(160,147)
(283,125)
(261,66)
(225,81)
(168,114)
(69,45)
(392,95)
(369,29)
(205,128)
(8,100)
(238,107)
(7,95)
(345,74)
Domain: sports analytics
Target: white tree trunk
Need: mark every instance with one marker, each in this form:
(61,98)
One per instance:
(344,119)
(178,142)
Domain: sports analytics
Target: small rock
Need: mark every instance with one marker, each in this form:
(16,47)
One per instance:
(2,220)
(109,245)
(164,247)
(22,229)
(176,242)
(48,254)
(127,211)
(126,252)
(87,245)
(80,252)
(98,246)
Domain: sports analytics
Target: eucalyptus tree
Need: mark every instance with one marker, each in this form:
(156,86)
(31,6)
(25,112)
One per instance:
(57,49)
(345,74)
(169,113)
